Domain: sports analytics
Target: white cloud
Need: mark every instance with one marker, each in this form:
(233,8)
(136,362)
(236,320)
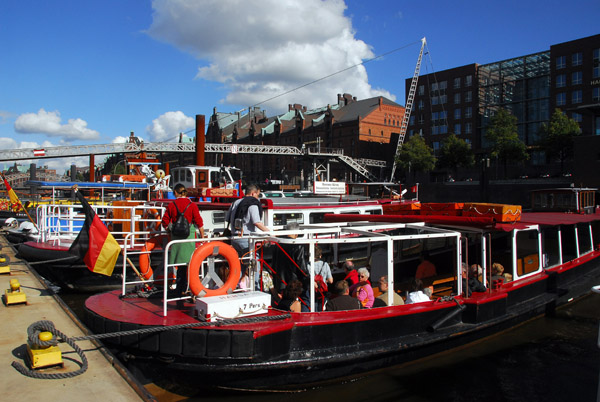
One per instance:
(261,49)
(168,126)
(49,123)
(119,140)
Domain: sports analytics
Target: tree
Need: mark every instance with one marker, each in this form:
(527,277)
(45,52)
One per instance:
(455,153)
(558,135)
(416,156)
(502,134)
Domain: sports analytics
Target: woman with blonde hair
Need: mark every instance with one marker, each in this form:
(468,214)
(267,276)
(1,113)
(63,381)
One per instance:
(363,290)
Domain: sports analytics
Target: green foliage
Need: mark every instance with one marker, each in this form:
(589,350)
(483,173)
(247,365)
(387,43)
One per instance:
(416,156)
(558,135)
(455,153)
(504,137)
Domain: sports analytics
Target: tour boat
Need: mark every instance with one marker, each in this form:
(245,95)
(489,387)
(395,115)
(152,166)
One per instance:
(227,337)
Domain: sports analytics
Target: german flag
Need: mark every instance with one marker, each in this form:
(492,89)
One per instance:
(95,245)
(14,200)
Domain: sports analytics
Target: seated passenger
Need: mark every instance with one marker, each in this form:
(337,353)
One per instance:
(343,300)
(416,294)
(470,281)
(363,290)
(291,295)
(351,273)
(498,273)
(426,268)
(383,286)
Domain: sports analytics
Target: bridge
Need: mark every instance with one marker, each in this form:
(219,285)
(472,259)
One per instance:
(359,165)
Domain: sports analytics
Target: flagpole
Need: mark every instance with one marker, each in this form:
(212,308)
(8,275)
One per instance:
(22,206)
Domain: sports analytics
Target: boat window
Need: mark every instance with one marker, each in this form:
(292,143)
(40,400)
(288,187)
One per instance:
(318,217)
(188,176)
(500,252)
(200,178)
(284,219)
(596,232)
(583,237)
(568,244)
(218,217)
(527,252)
(550,247)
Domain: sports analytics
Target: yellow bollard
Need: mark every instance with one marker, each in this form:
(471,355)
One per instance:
(14,295)
(44,356)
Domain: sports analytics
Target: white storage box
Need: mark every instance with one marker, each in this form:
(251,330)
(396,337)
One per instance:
(234,305)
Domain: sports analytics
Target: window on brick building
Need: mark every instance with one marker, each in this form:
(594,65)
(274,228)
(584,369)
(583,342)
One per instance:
(421,90)
(561,81)
(468,112)
(577,117)
(457,83)
(468,80)
(577,59)
(561,62)
(456,114)
(468,96)
(576,78)
(596,94)
(561,99)
(576,96)
(468,128)
(456,99)
(457,129)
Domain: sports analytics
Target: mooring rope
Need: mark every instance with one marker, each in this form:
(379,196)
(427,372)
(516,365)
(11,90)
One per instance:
(220,323)
(72,257)
(34,330)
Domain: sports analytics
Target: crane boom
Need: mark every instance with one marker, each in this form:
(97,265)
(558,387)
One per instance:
(408,109)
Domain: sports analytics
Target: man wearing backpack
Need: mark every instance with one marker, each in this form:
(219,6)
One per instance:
(247,212)
(181,211)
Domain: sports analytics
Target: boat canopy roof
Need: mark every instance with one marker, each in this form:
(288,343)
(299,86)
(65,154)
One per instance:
(557,218)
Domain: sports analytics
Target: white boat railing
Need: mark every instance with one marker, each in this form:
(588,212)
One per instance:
(364,234)
(60,223)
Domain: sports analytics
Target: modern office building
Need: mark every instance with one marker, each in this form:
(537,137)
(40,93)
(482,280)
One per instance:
(462,100)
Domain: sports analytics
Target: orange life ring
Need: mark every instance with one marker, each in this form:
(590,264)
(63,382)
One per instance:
(150,225)
(144,259)
(200,254)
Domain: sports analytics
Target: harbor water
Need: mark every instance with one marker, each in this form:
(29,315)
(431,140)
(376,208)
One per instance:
(551,358)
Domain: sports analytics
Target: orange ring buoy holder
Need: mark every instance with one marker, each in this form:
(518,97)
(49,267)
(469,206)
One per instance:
(144,259)
(151,226)
(202,253)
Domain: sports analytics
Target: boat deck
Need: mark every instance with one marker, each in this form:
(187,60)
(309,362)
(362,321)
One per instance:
(104,379)
(147,311)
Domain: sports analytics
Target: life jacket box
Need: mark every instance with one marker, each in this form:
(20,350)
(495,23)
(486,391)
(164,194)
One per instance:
(442,208)
(234,305)
(500,212)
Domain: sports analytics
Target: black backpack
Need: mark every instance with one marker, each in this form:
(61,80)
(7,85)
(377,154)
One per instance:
(181,227)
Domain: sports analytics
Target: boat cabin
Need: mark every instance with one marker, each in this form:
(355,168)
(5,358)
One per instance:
(573,199)
(197,179)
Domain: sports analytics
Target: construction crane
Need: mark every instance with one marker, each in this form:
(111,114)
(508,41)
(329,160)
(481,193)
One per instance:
(408,109)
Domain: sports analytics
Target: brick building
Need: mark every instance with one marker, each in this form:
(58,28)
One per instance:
(361,129)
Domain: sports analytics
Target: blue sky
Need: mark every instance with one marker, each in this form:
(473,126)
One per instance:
(78,72)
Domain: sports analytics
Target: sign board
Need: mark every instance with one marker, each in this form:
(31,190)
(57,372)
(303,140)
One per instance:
(329,187)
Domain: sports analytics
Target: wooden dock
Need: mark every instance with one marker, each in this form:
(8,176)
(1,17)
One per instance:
(104,380)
